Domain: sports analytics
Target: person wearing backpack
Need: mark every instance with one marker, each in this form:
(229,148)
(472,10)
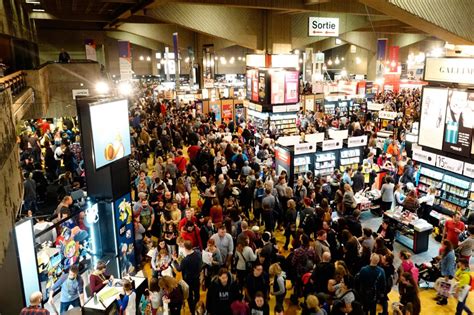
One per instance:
(345,297)
(222,292)
(386,263)
(407,265)
(303,261)
(307,218)
(371,284)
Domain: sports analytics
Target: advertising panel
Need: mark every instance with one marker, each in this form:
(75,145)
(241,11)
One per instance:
(291,87)
(227,111)
(125,234)
(248,81)
(452,70)
(277,88)
(216,109)
(262,87)
(449,164)
(110,132)
(254,86)
(458,130)
(433,115)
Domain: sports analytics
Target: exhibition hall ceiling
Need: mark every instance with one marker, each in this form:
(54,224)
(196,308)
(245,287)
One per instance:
(379,16)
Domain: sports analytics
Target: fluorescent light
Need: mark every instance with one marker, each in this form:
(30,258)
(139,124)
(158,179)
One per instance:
(296,51)
(148,58)
(338,41)
(38,10)
(141,58)
(32,2)
(102,87)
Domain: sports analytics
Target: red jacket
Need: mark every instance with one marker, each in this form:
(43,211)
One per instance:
(193,236)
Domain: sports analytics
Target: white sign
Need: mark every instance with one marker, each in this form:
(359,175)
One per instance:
(255,60)
(468,170)
(319,26)
(302,148)
(374,106)
(338,134)
(314,137)
(285,61)
(293,107)
(288,140)
(309,104)
(79,92)
(319,57)
(279,109)
(387,115)
(329,145)
(449,164)
(353,142)
(452,70)
(424,157)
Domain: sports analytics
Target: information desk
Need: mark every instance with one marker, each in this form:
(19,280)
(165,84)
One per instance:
(413,234)
(106,298)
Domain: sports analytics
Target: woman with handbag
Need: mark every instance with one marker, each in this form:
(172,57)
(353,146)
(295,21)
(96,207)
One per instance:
(244,258)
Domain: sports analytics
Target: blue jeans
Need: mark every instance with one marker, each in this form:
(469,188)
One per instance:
(462,307)
(65,305)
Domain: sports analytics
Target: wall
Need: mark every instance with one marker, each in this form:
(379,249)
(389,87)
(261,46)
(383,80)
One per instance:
(11,183)
(53,85)
(227,53)
(11,297)
(349,62)
(14,21)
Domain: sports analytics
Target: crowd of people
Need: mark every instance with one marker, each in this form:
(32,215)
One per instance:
(210,206)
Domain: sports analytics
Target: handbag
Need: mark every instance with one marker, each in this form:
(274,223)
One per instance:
(248,264)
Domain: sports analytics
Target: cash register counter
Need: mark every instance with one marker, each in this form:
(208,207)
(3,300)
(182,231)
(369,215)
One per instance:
(411,232)
(106,298)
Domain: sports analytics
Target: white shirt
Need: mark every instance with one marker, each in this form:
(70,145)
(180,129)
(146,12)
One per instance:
(429,199)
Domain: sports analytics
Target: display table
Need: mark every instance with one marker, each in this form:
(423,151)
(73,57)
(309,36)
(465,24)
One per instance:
(411,232)
(366,199)
(108,295)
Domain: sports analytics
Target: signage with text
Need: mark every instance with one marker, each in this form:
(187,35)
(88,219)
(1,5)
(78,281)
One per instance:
(468,170)
(329,145)
(387,115)
(302,148)
(424,157)
(282,156)
(449,164)
(452,70)
(320,26)
(291,86)
(79,92)
(314,137)
(353,142)
(374,106)
(338,134)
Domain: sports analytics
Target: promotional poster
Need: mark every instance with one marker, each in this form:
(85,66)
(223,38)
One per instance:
(227,111)
(433,112)
(262,88)
(458,127)
(291,87)
(278,88)
(125,234)
(110,132)
(254,86)
(216,109)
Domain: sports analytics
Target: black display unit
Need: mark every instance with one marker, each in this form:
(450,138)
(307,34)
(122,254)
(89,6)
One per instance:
(111,181)
(295,164)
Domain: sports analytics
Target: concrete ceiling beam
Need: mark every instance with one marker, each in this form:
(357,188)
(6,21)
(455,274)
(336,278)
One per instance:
(135,39)
(446,20)
(162,33)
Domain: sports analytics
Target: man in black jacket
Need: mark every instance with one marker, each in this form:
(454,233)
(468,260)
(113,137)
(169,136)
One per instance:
(222,292)
(191,269)
(358,180)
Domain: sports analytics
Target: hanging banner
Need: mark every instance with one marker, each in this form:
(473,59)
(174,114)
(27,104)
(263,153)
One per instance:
(277,87)
(91,53)
(227,112)
(320,26)
(382,44)
(393,58)
(125,60)
(459,123)
(216,109)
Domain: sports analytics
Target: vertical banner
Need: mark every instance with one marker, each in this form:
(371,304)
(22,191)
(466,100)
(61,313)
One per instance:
(215,107)
(177,66)
(91,53)
(125,60)
(381,56)
(394,52)
(125,234)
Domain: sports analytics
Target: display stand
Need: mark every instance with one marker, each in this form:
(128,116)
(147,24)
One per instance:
(296,160)
(413,234)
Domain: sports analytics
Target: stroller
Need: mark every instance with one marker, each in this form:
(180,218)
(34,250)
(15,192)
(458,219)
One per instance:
(429,272)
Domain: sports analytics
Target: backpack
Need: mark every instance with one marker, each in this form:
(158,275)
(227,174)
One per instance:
(260,193)
(415,273)
(184,289)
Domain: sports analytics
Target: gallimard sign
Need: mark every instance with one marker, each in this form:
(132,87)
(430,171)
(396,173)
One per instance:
(319,26)
(450,70)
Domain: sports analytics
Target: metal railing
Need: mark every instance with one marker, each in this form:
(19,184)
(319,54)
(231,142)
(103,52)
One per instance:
(16,82)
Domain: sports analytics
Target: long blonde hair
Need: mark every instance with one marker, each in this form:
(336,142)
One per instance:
(168,283)
(274,270)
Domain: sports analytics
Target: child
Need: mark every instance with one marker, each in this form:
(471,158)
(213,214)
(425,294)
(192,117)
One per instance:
(127,301)
(145,303)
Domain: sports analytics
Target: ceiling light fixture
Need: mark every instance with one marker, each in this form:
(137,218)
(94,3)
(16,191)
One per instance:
(337,61)
(148,58)
(141,58)
(330,62)
(38,10)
